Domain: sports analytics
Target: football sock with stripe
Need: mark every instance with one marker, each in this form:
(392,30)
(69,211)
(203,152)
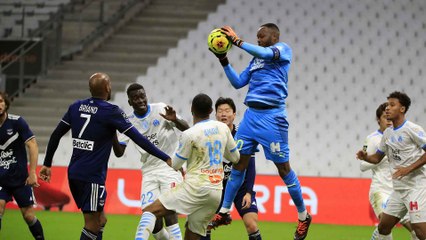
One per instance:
(375,235)
(385,237)
(87,235)
(174,232)
(294,189)
(234,183)
(145,227)
(161,235)
(255,236)
(100,233)
(36,229)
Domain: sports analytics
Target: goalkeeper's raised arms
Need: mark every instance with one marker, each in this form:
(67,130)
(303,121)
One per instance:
(232,36)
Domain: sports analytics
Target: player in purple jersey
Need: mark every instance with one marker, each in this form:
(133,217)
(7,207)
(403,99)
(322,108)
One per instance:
(15,180)
(93,123)
(245,201)
(265,120)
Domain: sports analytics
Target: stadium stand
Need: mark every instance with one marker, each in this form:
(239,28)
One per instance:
(348,56)
(19,18)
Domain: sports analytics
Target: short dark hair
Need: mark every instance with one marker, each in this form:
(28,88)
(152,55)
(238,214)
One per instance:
(380,110)
(133,87)
(272,26)
(6,99)
(403,99)
(202,105)
(228,101)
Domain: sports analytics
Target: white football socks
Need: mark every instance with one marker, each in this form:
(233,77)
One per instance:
(145,227)
(174,231)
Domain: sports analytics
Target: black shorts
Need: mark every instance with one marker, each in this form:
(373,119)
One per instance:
(23,195)
(89,197)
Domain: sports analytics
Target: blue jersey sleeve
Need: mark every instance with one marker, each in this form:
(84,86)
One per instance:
(279,51)
(237,81)
(24,130)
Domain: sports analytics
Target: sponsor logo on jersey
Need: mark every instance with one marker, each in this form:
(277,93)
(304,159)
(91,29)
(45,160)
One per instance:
(82,144)
(7,158)
(257,64)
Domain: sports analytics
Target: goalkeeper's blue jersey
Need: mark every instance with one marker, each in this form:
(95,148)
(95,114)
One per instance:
(269,78)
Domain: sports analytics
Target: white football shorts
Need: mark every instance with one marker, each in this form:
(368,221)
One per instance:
(412,201)
(155,183)
(199,204)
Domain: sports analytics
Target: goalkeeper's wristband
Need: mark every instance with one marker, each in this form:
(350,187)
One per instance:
(237,41)
(224,61)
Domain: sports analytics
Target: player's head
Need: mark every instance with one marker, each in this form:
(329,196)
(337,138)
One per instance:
(268,34)
(381,117)
(4,103)
(398,104)
(137,98)
(100,86)
(225,110)
(202,106)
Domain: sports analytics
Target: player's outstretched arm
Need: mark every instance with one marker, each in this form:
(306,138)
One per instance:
(254,50)
(33,155)
(145,144)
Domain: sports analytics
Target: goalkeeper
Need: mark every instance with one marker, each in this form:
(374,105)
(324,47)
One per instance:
(265,120)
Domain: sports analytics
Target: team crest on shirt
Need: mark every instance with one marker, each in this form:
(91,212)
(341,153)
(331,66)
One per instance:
(9,131)
(156,122)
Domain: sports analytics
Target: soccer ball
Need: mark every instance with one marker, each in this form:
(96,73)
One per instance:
(217,41)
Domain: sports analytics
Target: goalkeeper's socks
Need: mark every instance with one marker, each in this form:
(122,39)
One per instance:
(208,235)
(385,237)
(145,227)
(293,186)
(36,229)
(100,233)
(234,183)
(255,236)
(174,232)
(375,235)
(161,235)
(87,235)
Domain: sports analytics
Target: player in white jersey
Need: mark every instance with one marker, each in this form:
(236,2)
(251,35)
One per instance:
(157,122)
(203,148)
(381,184)
(404,144)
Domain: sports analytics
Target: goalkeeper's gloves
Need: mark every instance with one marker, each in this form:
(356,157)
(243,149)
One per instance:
(232,36)
(223,59)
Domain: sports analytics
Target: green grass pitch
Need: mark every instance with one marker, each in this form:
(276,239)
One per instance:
(67,226)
